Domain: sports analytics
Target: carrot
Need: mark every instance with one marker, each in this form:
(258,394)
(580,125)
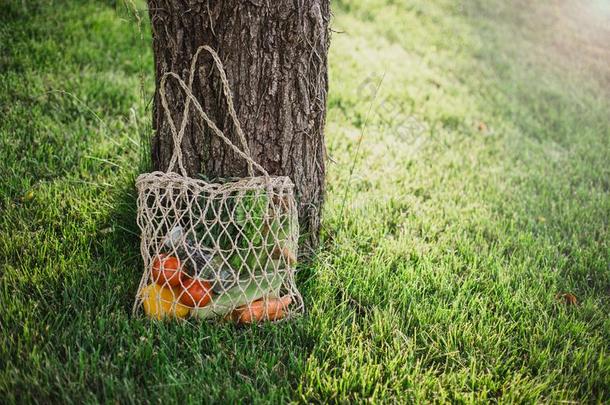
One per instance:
(249,313)
(272,309)
(278,304)
(277,316)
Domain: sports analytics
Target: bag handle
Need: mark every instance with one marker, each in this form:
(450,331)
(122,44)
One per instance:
(177,135)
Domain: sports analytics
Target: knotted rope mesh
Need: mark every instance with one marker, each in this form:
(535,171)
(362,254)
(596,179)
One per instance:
(222,250)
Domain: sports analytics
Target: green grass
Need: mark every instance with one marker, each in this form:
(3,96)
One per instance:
(480,191)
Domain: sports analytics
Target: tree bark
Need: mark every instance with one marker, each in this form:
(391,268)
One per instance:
(275,56)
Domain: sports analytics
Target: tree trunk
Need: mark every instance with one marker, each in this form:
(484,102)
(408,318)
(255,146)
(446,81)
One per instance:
(275,55)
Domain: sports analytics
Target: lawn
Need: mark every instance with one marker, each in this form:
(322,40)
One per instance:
(468,189)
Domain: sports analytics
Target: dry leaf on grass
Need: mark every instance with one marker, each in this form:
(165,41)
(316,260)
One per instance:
(567,298)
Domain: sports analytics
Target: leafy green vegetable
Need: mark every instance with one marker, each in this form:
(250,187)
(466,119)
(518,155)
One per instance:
(238,225)
(250,215)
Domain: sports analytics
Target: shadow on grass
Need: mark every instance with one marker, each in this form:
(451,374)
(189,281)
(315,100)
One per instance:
(167,360)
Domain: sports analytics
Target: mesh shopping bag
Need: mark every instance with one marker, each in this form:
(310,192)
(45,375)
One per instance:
(223,250)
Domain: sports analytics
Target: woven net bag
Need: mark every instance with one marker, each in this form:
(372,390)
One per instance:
(216,250)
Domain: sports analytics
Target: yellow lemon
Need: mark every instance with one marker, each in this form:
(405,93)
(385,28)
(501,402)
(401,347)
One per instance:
(160,302)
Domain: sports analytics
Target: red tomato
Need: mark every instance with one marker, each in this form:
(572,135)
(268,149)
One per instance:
(166,270)
(196,293)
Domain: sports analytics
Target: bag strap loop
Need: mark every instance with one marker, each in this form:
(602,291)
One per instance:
(177,135)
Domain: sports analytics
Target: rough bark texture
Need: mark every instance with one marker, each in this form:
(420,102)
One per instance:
(275,55)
